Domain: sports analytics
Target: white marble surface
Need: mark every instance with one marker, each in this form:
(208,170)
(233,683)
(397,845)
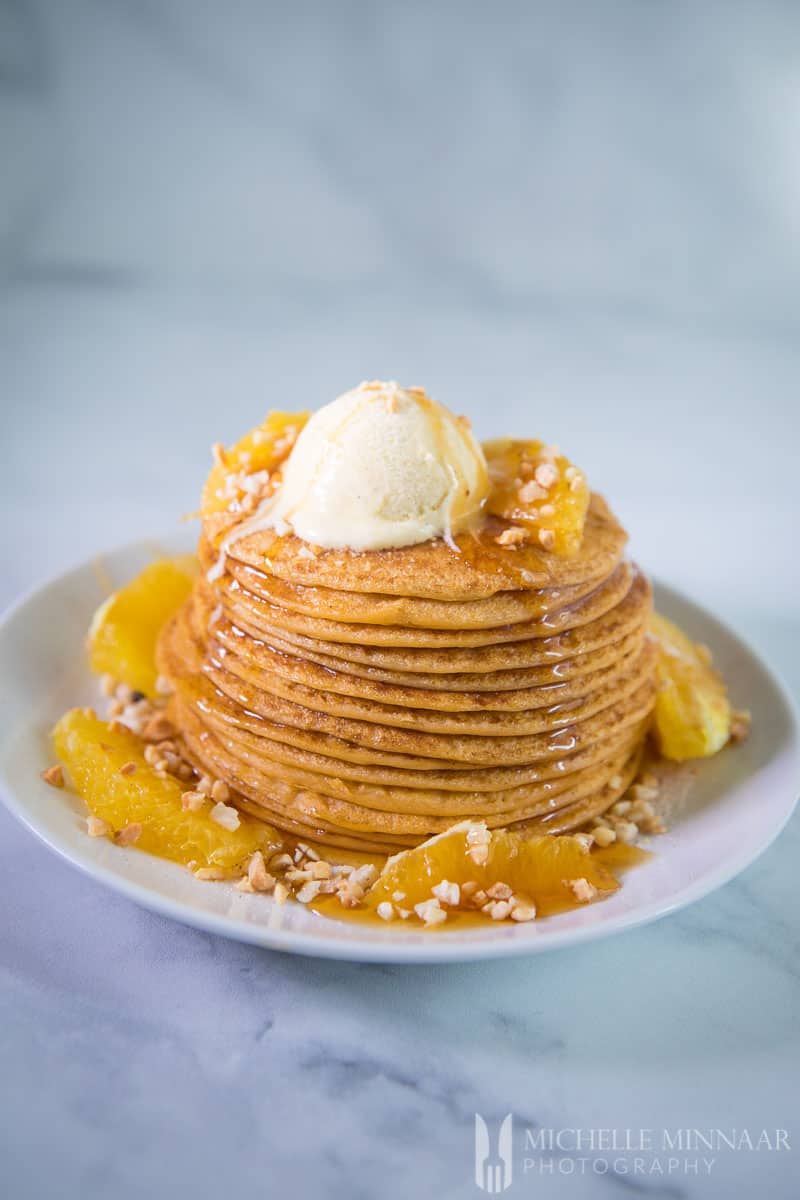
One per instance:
(576,219)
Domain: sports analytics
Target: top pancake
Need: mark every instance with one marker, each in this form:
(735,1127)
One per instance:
(479,568)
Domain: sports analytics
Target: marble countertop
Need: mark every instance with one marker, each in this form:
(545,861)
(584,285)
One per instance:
(579,221)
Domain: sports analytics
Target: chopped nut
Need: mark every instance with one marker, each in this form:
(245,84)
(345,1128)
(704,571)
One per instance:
(385,911)
(320,870)
(220,791)
(499,891)
(547,538)
(641,811)
(158,728)
(447,893)
(468,889)
(280,861)
(397,896)
(281,893)
(576,483)
(546,475)
(514,536)
(479,898)
(741,722)
(604,836)
(627,832)
(644,794)
(127,768)
(96,827)
(586,839)
(218,454)
(308,891)
(257,874)
(478,841)
(192,801)
(350,894)
(622,808)
(583,890)
(365,876)
(430,912)
(54,776)
(226,816)
(523,912)
(211,873)
(307,851)
(129,835)
(342,870)
(498,910)
(163,686)
(531,491)
(615,781)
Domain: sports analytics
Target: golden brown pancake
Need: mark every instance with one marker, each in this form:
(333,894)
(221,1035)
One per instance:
(371,699)
(431,569)
(630,613)
(327,604)
(247,609)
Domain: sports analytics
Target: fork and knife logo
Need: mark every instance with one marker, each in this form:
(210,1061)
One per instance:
(493,1165)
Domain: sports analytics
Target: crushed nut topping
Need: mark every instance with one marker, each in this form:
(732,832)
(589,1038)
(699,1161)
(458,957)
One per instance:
(430,912)
(447,893)
(226,816)
(130,835)
(583,890)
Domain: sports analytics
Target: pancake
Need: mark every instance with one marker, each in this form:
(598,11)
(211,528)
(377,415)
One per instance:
(503,608)
(631,613)
(535,796)
(244,607)
(281,673)
(369,741)
(432,569)
(528,710)
(371,699)
(284,799)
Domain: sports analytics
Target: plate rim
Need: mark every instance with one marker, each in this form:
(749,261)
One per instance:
(438,949)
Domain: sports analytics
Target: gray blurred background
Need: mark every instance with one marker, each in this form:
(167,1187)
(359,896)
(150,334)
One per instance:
(573,220)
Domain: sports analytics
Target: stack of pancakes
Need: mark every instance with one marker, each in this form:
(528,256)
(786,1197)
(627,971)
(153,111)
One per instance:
(368,700)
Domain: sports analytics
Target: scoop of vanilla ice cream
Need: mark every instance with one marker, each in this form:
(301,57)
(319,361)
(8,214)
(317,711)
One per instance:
(381,466)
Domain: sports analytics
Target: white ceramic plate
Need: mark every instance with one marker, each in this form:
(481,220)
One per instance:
(737,805)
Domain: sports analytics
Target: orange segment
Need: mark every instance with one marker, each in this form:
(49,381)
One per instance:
(93,755)
(123,633)
(539,489)
(692,717)
(261,450)
(539,868)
